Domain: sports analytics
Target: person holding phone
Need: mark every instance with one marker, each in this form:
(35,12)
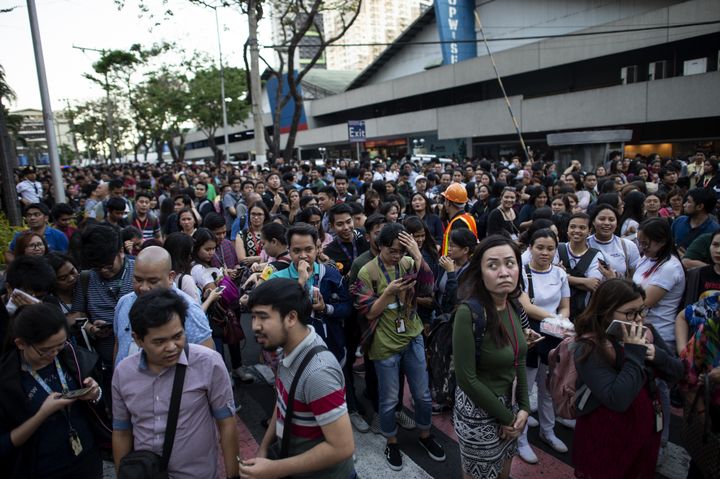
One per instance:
(43,434)
(624,407)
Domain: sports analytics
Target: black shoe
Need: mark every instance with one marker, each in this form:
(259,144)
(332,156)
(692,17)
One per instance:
(434,450)
(394,457)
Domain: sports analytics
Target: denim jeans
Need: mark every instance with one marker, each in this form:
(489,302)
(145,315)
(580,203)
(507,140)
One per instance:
(412,360)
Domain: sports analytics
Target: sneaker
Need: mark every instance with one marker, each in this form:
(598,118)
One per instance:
(434,450)
(568,423)
(375,424)
(358,422)
(404,421)
(527,454)
(556,444)
(243,375)
(438,409)
(358,352)
(393,457)
(532,422)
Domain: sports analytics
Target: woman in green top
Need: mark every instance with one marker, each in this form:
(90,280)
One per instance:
(484,390)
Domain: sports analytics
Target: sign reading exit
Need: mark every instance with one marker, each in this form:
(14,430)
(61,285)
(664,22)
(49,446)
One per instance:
(356,131)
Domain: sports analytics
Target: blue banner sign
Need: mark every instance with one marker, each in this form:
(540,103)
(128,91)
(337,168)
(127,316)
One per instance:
(456,27)
(356,131)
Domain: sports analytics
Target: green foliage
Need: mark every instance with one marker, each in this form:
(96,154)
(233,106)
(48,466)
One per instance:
(7,232)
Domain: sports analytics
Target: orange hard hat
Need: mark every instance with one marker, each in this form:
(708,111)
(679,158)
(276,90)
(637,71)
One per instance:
(456,193)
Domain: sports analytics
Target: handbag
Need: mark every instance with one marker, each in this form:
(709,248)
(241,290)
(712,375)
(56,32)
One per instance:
(280,449)
(147,464)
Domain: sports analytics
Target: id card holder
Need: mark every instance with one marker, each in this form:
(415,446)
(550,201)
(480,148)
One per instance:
(75,443)
(658,415)
(400,325)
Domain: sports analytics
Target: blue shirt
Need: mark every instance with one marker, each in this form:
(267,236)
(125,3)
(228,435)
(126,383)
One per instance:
(682,231)
(55,239)
(197,328)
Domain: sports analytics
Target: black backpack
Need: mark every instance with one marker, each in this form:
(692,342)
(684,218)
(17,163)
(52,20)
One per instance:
(577,296)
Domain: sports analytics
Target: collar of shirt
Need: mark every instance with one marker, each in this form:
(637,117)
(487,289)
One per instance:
(302,346)
(293,273)
(143,365)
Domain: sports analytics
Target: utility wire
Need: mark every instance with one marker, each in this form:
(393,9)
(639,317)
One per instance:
(529,37)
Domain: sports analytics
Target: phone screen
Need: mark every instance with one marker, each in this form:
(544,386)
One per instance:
(409,277)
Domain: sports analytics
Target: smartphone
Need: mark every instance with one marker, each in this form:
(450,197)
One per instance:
(219,289)
(618,328)
(410,277)
(76,393)
(603,263)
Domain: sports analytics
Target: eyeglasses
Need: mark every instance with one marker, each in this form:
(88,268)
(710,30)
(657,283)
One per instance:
(634,313)
(36,245)
(45,352)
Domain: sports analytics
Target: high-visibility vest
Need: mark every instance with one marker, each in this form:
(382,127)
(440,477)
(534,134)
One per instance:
(469,221)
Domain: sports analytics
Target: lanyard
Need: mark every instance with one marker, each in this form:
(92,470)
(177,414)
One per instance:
(26,367)
(141,226)
(347,253)
(387,277)
(516,347)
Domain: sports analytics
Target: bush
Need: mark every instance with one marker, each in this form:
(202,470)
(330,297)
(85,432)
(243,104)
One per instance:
(7,232)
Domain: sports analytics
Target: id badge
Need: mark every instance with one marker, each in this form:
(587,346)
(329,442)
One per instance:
(75,443)
(514,237)
(400,325)
(658,416)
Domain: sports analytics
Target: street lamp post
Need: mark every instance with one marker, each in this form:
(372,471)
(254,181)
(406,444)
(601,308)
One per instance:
(222,90)
(47,107)
(322,151)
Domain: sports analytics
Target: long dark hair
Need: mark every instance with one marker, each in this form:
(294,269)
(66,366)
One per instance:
(201,236)
(428,207)
(180,247)
(658,229)
(634,209)
(473,286)
(598,315)
(413,225)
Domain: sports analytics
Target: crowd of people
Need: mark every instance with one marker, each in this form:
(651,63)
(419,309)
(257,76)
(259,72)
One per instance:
(117,302)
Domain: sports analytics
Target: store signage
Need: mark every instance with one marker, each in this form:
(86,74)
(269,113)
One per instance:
(356,131)
(456,26)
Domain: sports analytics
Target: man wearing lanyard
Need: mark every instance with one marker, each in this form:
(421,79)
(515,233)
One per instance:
(331,302)
(343,250)
(143,220)
(386,292)
(29,190)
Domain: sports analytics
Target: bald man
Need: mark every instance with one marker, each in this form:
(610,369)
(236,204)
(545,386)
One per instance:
(153,270)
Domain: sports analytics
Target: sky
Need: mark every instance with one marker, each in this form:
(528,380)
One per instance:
(98,24)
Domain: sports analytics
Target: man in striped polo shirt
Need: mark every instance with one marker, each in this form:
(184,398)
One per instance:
(321,440)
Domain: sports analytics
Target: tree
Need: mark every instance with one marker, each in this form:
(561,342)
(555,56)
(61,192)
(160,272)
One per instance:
(204,100)
(7,154)
(297,18)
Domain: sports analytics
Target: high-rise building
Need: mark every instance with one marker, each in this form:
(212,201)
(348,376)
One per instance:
(379,22)
(308,45)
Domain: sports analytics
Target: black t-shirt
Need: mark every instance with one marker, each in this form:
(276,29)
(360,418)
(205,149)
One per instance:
(335,251)
(709,279)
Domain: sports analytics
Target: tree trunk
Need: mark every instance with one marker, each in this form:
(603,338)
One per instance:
(7,162)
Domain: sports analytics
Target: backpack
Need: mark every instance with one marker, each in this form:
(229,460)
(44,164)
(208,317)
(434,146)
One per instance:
(438,347)
(562,378)
(577,296)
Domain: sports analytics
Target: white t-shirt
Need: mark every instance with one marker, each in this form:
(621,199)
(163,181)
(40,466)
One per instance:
(628,224)
(30,190)
(669,276)
(203,275)
(188,286)
(614,255)
(549,287)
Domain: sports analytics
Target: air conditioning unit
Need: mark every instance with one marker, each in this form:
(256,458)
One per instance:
(657,70)
(629,74)
(695,66)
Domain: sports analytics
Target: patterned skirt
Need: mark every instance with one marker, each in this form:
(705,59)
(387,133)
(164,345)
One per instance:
(483,454)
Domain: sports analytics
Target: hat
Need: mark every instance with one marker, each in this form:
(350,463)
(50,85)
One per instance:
(29,170)
(420,177)
(455,193)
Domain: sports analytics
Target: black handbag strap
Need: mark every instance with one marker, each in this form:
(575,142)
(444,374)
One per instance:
(285,444)
(173,414)
(530,289)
